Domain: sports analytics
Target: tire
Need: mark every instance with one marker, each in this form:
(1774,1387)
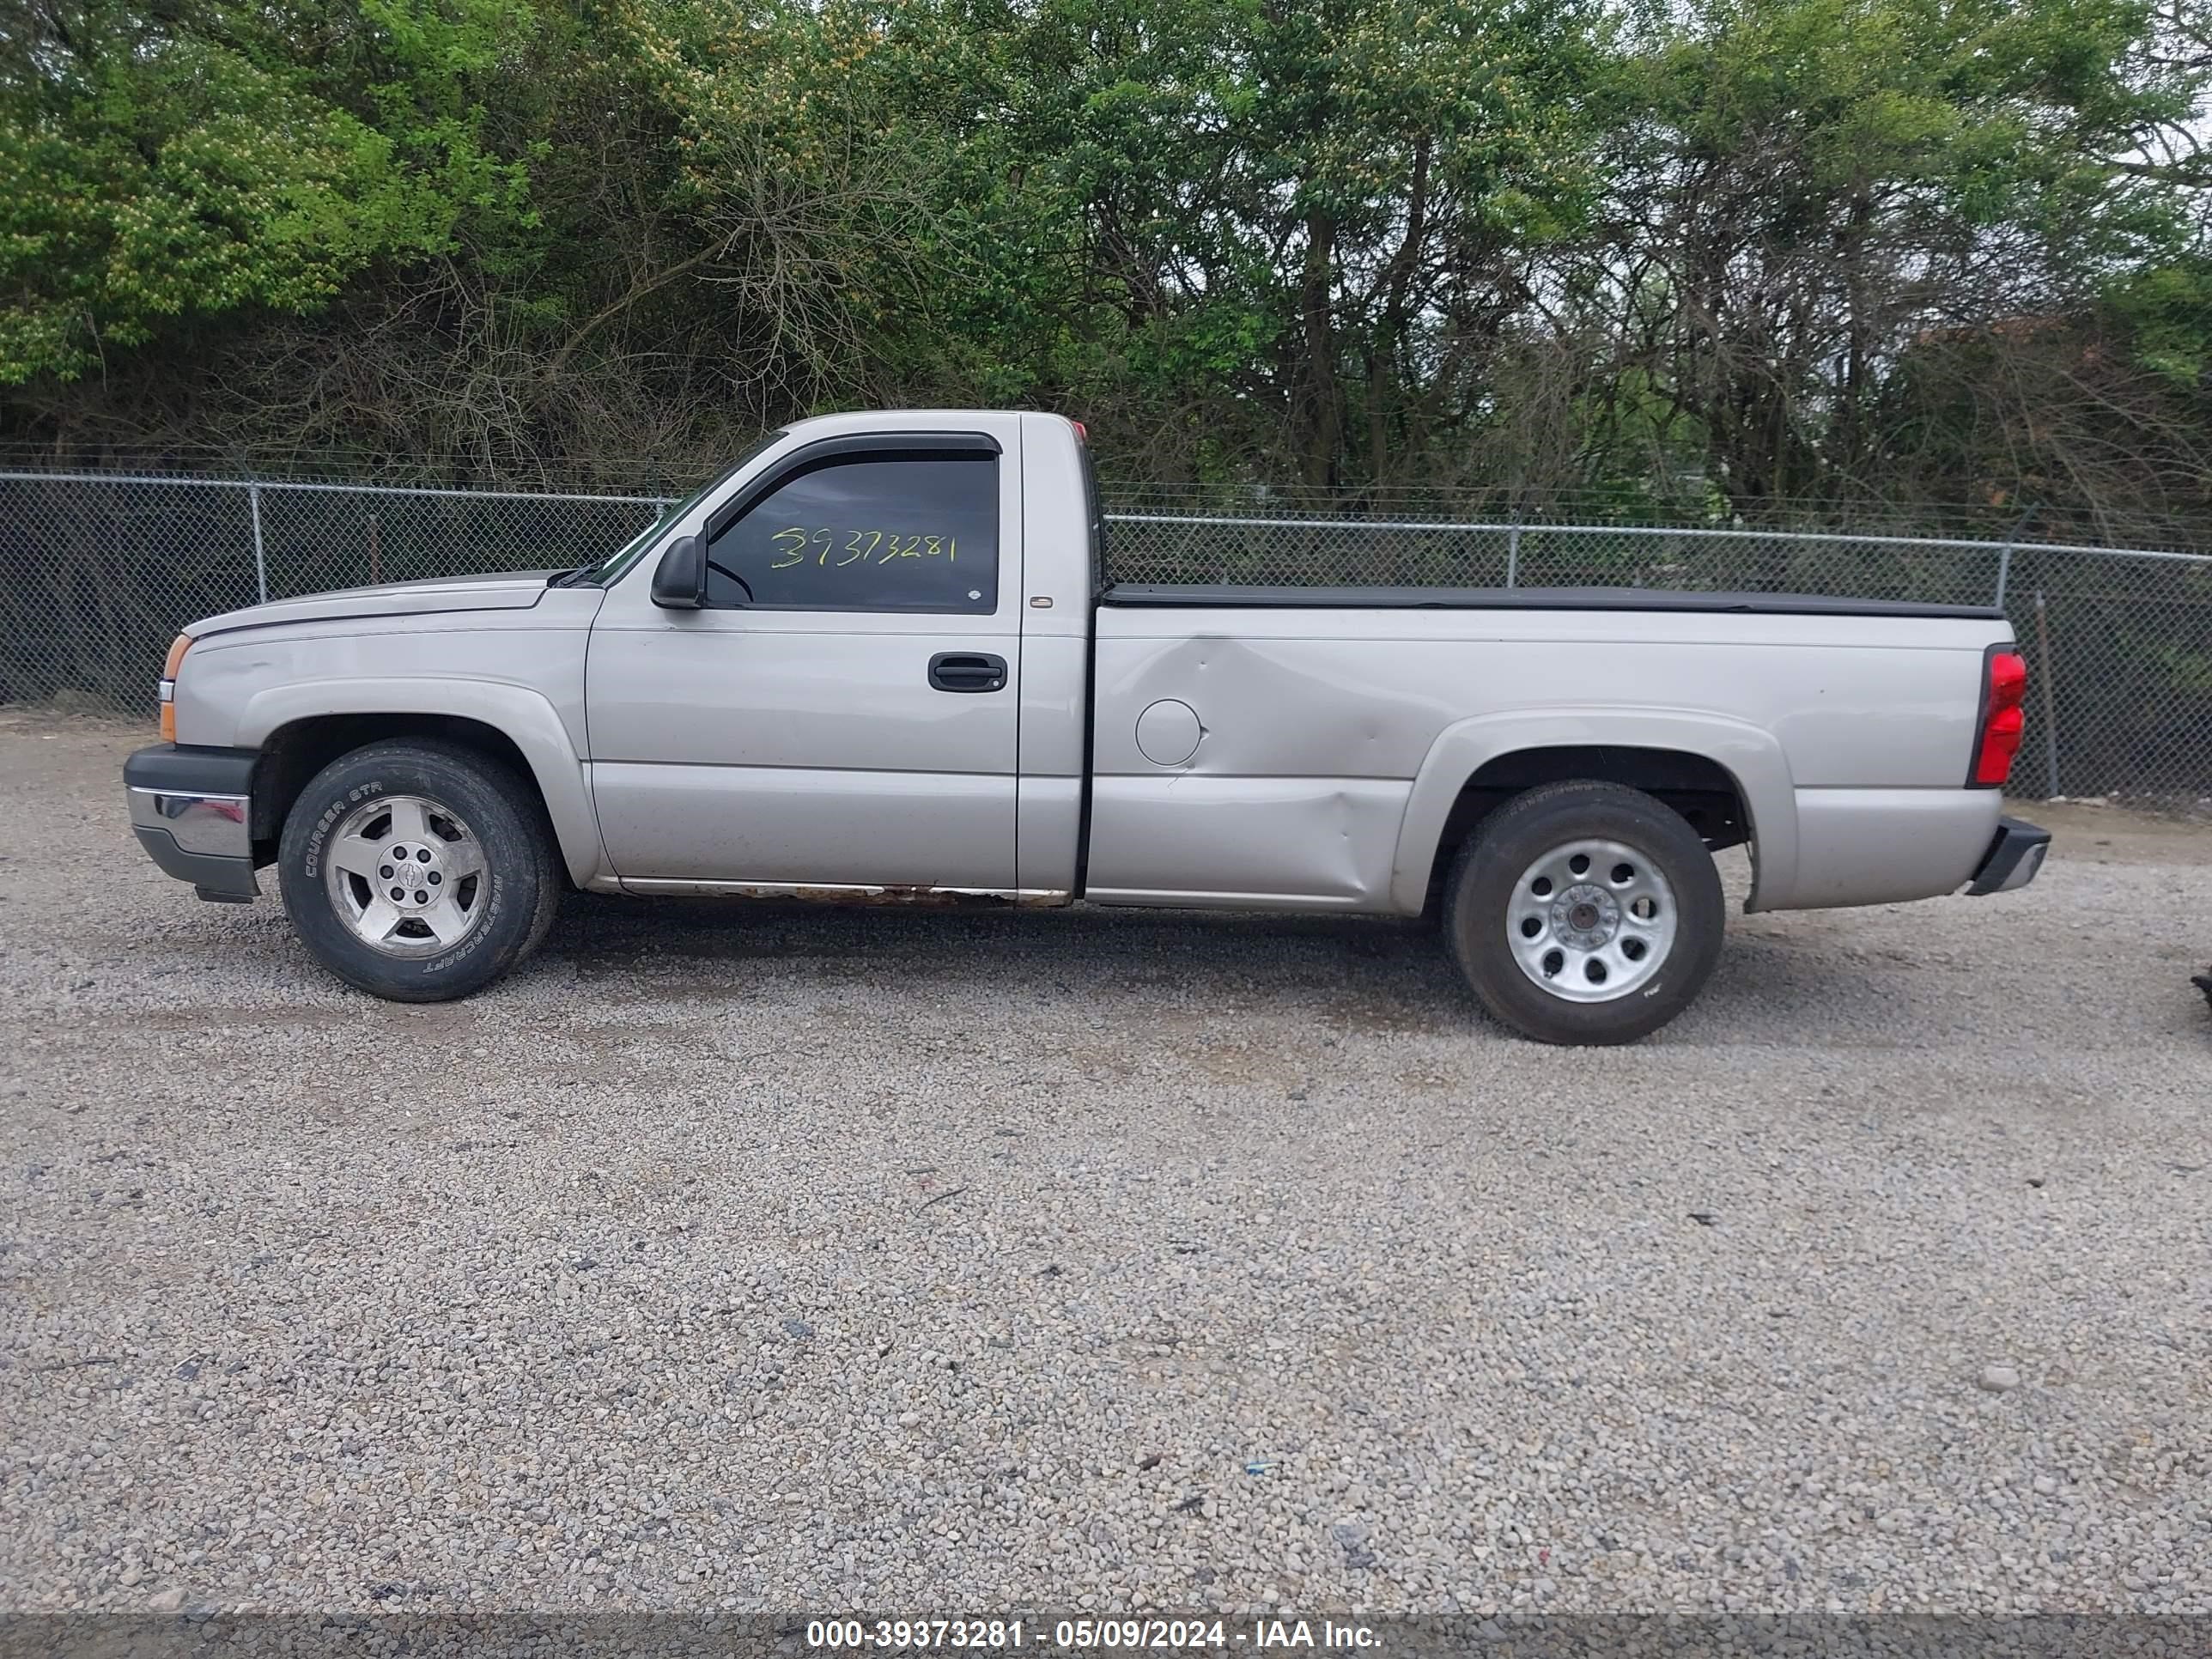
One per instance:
(1525,927)
(479,884)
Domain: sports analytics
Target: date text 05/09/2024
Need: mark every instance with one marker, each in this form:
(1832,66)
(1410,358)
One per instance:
(1108,1635)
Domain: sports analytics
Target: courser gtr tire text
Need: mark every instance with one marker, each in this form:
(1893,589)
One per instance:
(1585,913)
(418,870)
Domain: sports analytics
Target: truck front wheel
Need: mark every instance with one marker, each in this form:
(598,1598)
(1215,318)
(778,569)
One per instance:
(418,870)
(1585,913)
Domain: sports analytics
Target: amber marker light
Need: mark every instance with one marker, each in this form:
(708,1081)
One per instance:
(168,688)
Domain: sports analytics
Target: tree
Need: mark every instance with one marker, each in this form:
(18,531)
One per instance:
(1804,188)
(1762,258)
(202,157)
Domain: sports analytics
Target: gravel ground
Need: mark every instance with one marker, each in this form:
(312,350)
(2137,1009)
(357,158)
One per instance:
(779,1260)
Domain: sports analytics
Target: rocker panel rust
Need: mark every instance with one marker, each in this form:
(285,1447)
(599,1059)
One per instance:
(897,896)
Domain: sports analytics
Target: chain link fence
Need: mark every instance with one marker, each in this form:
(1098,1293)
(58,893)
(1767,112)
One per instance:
(98,571)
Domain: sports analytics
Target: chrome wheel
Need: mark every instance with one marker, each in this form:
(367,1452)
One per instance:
(407,876)
(1591,921)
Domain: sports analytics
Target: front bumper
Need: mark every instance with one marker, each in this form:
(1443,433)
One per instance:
(192,811)
(2013,860)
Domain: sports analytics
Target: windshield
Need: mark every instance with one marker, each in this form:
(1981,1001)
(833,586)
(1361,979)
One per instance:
(611,568)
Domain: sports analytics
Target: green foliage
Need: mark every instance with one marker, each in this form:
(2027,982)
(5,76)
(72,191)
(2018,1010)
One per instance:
(2167,312)
(1742,258)
(1820,199)
(210,157)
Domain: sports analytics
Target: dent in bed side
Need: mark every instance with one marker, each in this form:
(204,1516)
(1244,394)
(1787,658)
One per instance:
(1753,757)
(527,718)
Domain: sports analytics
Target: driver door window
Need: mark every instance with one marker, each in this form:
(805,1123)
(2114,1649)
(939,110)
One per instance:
(918,534)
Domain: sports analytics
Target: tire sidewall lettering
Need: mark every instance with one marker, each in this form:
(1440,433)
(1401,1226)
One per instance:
(478,935)
(312,863)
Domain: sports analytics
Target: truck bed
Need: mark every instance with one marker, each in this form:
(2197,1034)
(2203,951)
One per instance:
(1312,715)
(1229,596)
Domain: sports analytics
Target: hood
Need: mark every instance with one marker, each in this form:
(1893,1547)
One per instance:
(513,590)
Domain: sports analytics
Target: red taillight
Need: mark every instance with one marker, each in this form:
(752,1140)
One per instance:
(1082,432)
(2002,721)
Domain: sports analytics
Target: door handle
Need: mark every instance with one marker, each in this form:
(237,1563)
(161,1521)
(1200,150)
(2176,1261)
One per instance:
(967,670)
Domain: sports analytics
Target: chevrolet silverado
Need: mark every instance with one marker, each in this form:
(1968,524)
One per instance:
(876,660)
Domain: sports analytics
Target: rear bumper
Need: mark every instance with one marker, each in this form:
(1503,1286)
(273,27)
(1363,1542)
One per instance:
(2014,858)
(192,811)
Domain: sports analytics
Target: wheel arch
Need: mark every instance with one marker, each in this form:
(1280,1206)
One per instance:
(298,730)
(1732,775)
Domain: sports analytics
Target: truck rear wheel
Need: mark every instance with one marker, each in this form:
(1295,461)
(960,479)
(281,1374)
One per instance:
(1585,913)
(418,870)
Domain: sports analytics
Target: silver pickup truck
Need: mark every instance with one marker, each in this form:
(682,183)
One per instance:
(875,661)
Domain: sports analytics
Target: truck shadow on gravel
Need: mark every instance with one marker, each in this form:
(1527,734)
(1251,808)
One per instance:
(1356,973)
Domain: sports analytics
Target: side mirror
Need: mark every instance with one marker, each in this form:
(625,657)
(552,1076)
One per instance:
(679,582)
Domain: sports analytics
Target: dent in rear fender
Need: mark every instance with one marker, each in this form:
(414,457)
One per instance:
(1751,755)
(525,717)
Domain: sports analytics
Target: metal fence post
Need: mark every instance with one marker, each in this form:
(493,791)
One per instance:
(1513,555)
(2050,699)
(2004,558)
(260,558)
